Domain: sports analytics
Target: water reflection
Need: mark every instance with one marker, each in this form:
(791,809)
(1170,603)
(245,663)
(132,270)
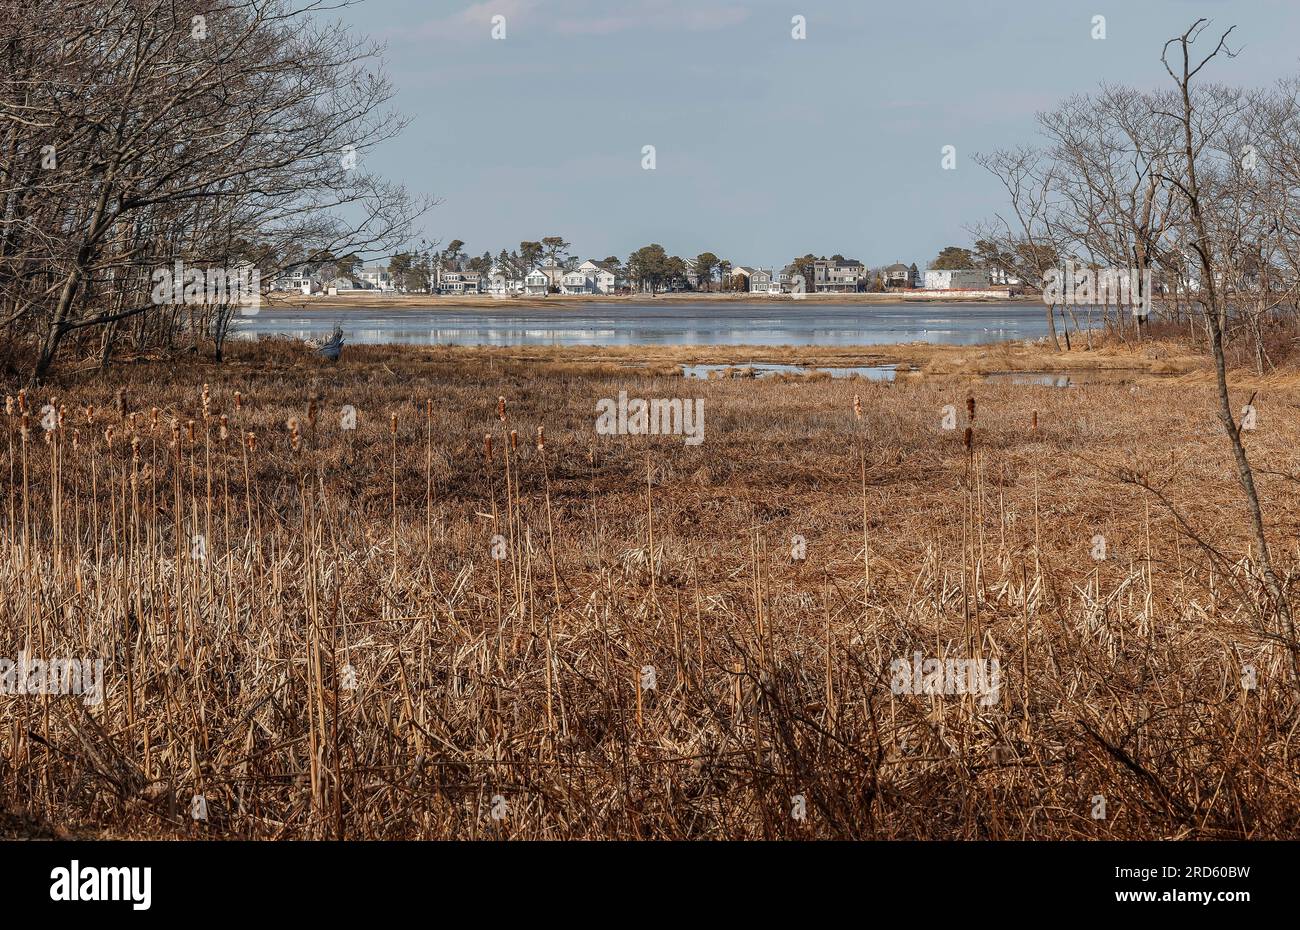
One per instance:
(662,324)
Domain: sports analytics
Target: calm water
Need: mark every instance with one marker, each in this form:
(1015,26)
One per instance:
(664,323)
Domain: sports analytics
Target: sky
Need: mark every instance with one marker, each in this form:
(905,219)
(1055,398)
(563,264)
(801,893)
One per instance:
(766,147)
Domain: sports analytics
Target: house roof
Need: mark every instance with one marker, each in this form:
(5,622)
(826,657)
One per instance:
(897,266)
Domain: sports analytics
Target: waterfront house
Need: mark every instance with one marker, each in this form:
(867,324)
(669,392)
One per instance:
(604,280)
(838,277)
(900,275)
(377,277)
(577,282)
(963,279)
(459,283)
(760,280)
(536,283)
(504,282)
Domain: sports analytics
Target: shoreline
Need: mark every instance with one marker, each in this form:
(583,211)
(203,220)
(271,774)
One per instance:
(433,302)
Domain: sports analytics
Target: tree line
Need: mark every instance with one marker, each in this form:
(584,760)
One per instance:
(136,136)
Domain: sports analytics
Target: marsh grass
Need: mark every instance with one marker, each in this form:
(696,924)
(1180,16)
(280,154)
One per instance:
(336,558)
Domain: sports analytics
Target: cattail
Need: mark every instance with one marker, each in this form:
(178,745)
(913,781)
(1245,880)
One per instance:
(121,404)
(857,406)
(967,438)
(239,401)
(135,446)
(392,424)
(9,405)
(514,441)
(295,434)
(207,402)
(63,409)
(487,446)
(76,437)
(189,431)
(311,413)
(176,433)
(153,419)
(501,408)
(90,414)
(1034,424)
(224,431)
(970,407)
(25,424)
(108,437)
(22,400)
(428,408)
(541,439)
(250,442)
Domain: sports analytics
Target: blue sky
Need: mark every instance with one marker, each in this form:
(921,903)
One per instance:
(766,147)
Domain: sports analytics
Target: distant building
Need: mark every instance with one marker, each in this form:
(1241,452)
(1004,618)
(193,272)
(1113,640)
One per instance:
(554,275)
(900,275)
(760,280)
(305,279)
(337,285)
(459,283)
(504,282)
(838,277)
(536,283)
(965,279)
(603,279)
(577,282)
(377,277)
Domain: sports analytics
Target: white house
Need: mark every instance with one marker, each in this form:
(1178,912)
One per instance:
(378,277)
(458,283)
(504,282)
(966,279)
(577,282)
(537,283)
(302,278)
(604,280)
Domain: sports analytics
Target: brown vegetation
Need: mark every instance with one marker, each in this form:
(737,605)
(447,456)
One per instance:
(523,679)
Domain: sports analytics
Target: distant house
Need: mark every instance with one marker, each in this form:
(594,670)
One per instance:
(577,282)
(739,277)
(537,283)
(965,279)
(504,282)
(838,277)
(459,283)
(760,280)
(1003,278)
(900,275)
(377,277)
(606,280)
(554,275)
(305,279)
(340,284)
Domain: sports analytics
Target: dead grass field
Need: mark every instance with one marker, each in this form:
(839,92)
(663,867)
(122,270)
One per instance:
(517,687)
